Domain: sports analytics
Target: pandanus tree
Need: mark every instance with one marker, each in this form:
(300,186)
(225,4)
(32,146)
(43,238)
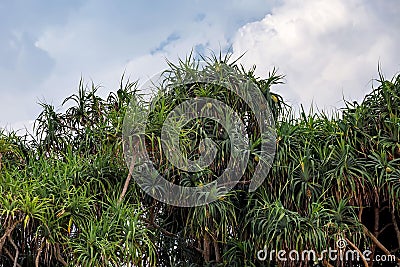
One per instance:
(59,201)
(67,197)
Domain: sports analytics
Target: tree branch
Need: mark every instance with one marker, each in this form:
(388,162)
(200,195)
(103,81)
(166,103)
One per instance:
(10,255)
(378,244)
(59,257)
(358,250)
(395,225)
(8,232)
(128,179)
(16,251)
(39,252)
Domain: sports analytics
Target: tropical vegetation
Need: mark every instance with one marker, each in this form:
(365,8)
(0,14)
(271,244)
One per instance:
(67,197)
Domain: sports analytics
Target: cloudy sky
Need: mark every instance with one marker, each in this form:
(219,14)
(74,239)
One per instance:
(327,49)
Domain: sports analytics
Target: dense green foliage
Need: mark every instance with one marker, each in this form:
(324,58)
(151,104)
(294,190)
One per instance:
(61,200)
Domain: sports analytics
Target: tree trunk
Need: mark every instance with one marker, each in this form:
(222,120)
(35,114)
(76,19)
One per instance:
(206,248)
(378,244)
(376,232)
(395,225)
(216,250)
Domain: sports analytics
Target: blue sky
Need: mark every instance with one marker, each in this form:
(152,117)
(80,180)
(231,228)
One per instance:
(326,49)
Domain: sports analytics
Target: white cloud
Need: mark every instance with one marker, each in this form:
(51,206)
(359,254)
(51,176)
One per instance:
(322,46)
(46,48)
(326,49)
(103,46)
